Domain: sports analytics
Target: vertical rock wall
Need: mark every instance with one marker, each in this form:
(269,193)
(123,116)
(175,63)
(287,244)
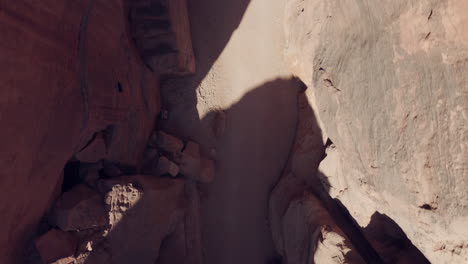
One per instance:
(68,70)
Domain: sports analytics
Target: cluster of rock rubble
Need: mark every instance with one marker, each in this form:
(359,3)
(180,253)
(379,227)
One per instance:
(115,213)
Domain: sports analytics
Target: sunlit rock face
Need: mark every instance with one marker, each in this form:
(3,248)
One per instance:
(390,84)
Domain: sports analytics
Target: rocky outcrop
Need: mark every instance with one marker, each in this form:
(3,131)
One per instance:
(389,82)
(161,30)
(80,208)
(143,211)
(55,245)
(311,236)
(124,215)
(68,70)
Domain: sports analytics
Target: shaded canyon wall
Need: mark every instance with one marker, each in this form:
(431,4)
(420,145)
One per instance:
(69,69)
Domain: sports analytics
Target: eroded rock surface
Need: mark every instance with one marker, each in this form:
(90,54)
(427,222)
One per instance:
(68,70)
(79,209)
(390,84)
(143,211)
(311,236)
(55,245)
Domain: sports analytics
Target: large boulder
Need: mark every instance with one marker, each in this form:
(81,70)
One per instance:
(143,211)
(80,208)
(390,82)
(55,245)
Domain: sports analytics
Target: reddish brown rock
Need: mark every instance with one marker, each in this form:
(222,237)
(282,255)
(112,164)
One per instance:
(208,171)
(55,245)
(94,152)
(174,247)
(219,124)
(311,236)
(111,170)
(194,166)
(150,161)
(78,209)
(89,173)
(169,143)
(61,63)
(69,260)
(190,161)
(143,211)
(165,166)
(162,33)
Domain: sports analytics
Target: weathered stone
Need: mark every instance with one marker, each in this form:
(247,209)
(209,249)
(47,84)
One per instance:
(169,143)
(390,84)
(288,187)
(111,170)
(95,151)
(69,260)
(89,173)
(310,235)
(219,123)
(333,248)
(90,239)
(57,91)
(207,172)
(154,22)
(55,245)
(194,166)
(99,256)
(193,225)
(190,161)
(174,247)
(143,210)
(78,209)
(391,242)
(150,154)
(150,161)
(165,166)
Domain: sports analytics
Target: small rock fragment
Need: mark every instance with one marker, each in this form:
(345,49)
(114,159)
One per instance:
(89,240)
(165,166)
(78,209)
(98,256)
(195,167)
(89,246)
(169,143)
(69,260)
(143,212)
(95,151)
(56,245)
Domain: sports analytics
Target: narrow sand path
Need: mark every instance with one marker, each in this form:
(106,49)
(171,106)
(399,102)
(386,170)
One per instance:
(239,47)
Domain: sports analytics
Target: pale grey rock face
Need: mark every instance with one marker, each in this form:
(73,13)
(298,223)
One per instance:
(390,83)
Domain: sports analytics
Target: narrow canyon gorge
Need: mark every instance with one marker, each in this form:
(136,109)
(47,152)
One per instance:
(234,131)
